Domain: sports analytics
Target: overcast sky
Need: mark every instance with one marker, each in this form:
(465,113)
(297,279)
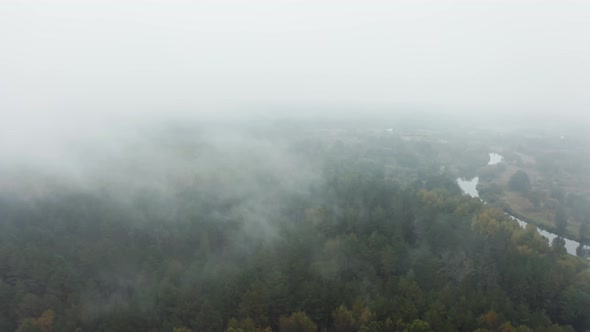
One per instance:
(80,60)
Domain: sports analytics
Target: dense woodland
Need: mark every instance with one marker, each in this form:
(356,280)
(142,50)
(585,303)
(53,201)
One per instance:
(362,248)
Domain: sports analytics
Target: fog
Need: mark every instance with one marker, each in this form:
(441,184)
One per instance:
(180,164)
(90,60)
(80,82)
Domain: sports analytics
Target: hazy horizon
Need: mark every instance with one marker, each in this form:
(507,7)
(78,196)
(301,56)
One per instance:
(68,58)
(89,70)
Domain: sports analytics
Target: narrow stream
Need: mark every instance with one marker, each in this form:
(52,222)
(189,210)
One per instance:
(469,187)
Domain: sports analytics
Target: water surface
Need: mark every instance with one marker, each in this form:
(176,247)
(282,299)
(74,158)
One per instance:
(495,158)
(469,187)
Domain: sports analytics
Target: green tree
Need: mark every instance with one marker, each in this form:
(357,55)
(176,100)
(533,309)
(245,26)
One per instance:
(344,320)
(558,245)
(372,327)
(255,304)
(557,193)
(244,325)
(519,181)
(418,325)
(585,230)
(560,220)
(208,318)
(534,197)
(181,329)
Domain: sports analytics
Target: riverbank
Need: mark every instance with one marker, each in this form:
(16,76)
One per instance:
(541,225)
(470,187)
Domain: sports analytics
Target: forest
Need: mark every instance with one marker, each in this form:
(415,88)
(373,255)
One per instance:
(263,234)
(294,166)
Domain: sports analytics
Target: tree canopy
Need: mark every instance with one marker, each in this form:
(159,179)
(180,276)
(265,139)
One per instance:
(360,250)
(519,181)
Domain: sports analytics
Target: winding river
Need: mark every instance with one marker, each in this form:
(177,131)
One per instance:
(469,187)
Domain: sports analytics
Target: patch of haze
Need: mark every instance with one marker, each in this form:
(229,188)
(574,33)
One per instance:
(65,61)
(129,292)
(255,169)
(256,174)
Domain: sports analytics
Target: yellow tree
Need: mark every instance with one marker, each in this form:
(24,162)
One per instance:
(297,322)
(45,321)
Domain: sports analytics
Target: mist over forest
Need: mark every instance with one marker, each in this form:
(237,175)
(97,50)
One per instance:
(294,166)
